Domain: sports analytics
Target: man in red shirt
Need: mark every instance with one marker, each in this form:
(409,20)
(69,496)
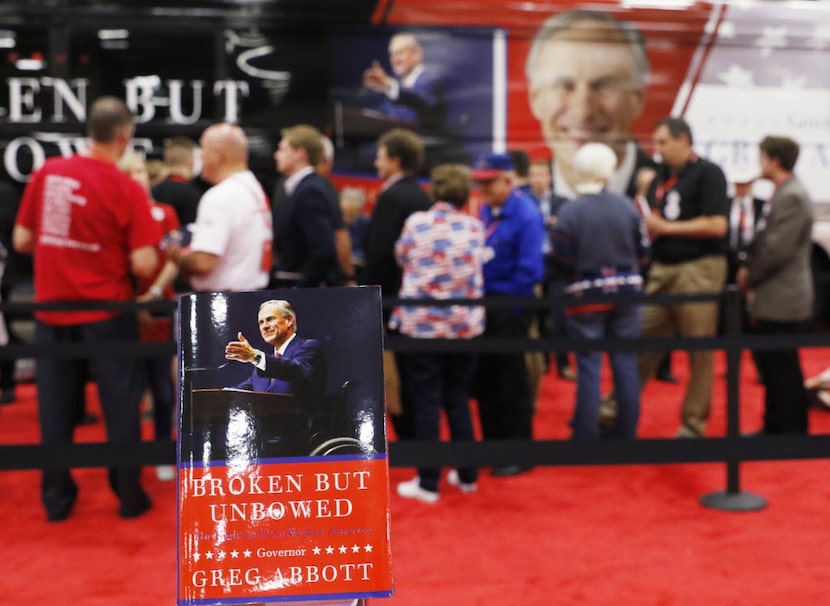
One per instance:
(89,228)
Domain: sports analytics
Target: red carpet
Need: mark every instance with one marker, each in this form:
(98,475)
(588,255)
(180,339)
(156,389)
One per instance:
(563,536)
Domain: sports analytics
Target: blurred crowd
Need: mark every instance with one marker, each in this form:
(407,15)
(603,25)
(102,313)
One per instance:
(109,224)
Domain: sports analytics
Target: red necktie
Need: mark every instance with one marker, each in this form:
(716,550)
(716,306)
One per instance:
(271,382)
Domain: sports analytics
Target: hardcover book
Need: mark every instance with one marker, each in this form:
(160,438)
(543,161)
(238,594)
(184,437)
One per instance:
(283,474)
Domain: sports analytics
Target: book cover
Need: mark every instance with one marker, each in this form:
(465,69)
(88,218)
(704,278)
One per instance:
(282,452)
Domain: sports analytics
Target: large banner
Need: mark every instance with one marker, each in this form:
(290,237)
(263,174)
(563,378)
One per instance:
(483,77)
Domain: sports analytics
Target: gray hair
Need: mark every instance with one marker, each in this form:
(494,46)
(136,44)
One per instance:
(284,307)
(563,21)
(594,164)
(410,39)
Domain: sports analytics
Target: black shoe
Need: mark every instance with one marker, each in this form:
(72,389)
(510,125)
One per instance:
(88,419)
(509,470)
(62,507)
(667,377)
(134,511)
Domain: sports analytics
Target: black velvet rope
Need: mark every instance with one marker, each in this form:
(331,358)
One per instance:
(454,454)
(481,454)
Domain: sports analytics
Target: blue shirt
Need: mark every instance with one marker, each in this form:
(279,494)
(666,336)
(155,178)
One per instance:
(514,234)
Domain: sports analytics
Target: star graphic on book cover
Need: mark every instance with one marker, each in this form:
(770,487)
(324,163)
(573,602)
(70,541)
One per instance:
(329,550)
(316,551)
(234,554)
(220,555)
(343,549)
(247,553)
(367,548)
(355,548)
(209,555)
(197,556)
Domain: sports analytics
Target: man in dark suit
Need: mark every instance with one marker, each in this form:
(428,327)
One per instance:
(305,244)
(400,155)
(413,96)
(293,365)
(778,283)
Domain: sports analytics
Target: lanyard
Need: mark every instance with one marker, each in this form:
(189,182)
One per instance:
(662,189)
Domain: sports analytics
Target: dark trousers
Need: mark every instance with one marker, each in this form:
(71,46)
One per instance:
(7,382)
(785,402)
(552,320)
(161,387)
(60,387)
(434,382)
(502,388)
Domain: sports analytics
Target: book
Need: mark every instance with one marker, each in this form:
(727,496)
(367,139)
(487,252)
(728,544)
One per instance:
(283,474)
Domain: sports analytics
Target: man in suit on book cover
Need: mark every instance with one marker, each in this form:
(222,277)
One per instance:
(293,365)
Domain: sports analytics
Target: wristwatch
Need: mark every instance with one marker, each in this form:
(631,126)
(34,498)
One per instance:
(257,358)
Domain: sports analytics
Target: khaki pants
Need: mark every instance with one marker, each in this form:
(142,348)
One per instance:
(700,276)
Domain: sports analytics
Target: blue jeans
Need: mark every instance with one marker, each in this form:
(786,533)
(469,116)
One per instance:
(622,322)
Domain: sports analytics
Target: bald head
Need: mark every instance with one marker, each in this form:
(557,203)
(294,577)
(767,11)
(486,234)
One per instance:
(229,138)
(224,151)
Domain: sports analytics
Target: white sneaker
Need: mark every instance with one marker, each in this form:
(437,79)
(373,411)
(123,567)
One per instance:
(454,480)
(165,473)
(412,490)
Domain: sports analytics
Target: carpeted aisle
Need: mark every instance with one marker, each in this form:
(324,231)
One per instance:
(632,535)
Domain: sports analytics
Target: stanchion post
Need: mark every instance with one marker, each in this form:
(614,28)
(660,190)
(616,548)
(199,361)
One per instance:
(733,499)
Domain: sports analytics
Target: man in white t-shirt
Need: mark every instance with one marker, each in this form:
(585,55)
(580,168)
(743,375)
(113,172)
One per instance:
(231,245)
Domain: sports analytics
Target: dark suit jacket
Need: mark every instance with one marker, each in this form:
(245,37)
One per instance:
(392,208)
(300,371)
(424,104)
(305,234)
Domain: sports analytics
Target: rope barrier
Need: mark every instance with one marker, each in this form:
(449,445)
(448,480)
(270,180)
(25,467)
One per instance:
(731,449)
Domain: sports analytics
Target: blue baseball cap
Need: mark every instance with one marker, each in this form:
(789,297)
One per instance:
(489,166)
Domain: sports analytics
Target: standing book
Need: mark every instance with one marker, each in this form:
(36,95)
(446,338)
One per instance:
(282,453)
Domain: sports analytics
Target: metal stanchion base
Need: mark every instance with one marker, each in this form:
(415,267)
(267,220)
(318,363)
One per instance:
(733,501)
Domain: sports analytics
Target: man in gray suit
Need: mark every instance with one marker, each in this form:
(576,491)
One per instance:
(777,283)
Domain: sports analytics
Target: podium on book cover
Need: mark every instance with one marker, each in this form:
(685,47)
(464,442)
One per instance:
(225,424)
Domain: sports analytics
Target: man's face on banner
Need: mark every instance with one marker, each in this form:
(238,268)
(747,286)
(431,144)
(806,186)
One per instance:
(585,88)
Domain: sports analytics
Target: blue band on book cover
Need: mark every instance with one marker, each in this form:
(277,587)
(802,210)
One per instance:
(282,451)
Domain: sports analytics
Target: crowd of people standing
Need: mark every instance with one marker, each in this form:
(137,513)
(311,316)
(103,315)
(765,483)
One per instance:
(96,231)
